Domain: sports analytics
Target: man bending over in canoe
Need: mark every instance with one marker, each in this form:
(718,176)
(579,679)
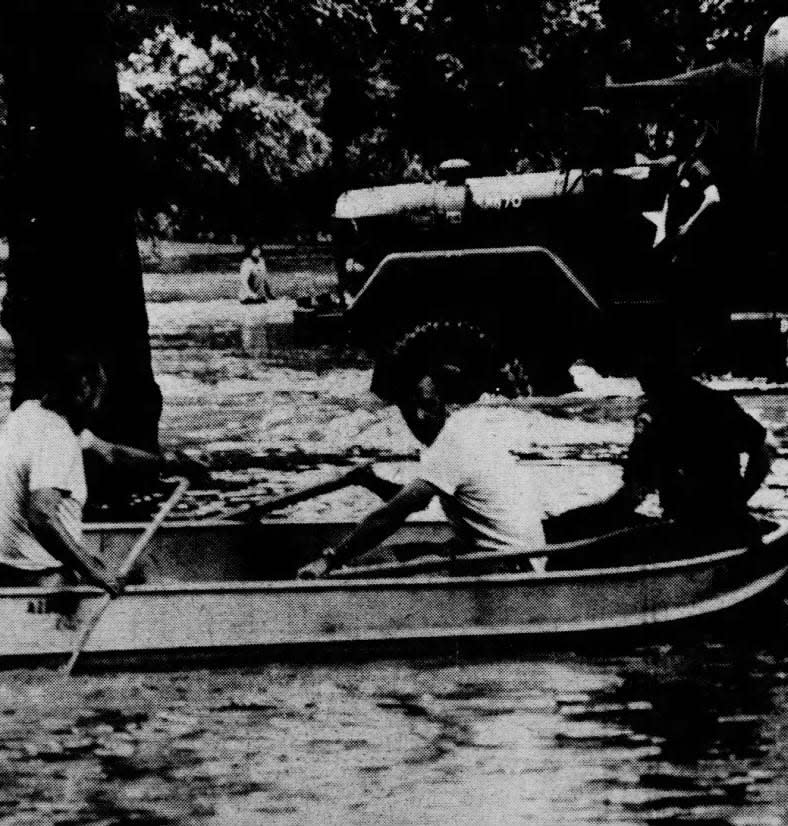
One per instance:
(42,480)
(688,447)
(465,462)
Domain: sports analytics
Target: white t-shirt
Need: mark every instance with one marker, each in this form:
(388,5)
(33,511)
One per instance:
(38,449)
(490,506)
(253,275)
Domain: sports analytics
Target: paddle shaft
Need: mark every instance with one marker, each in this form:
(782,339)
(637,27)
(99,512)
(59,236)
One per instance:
(134,554)
(252,512)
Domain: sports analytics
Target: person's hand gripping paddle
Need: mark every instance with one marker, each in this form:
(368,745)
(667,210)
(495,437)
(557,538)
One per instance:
(131,560)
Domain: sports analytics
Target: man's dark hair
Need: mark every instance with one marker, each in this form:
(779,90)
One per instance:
(459,358)
(63,383)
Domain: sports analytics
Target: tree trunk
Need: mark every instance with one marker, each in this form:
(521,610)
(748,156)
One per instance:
(74,276)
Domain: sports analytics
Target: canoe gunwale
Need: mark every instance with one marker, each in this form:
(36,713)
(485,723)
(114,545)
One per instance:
(530,578)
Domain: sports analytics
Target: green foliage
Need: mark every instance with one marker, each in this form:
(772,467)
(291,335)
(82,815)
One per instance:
(735,28)
(200,121)
(251,116)
(479,76)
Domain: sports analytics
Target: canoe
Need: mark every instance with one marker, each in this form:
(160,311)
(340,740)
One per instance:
(221,590)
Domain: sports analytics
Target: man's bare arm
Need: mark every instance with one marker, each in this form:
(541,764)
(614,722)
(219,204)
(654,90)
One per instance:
(44,515)
(711,196)
(131,458)
(375,527)
(145,464)
(381,523)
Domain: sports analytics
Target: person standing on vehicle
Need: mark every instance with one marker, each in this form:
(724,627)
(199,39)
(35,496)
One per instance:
(691,193)
(254,288)
(689,255)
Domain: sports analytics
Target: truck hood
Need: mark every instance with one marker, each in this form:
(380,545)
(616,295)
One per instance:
(487,192)
(498,192)
(513,190)
(397,199)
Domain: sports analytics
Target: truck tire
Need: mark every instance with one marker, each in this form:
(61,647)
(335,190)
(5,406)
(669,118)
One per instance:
(480,365)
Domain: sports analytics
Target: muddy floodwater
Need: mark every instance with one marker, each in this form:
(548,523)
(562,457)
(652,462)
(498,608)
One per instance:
(695,731)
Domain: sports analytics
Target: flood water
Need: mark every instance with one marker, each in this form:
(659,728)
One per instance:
(693,731)
(670,734)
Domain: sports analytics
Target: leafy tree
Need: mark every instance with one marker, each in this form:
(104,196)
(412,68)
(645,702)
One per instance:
(205,129)
(480,77)
(735,28)
(335,46)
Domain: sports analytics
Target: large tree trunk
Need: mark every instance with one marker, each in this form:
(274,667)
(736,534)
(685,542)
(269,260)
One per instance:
(74,276)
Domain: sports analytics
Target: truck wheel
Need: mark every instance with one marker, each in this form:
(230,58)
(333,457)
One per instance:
(460,346)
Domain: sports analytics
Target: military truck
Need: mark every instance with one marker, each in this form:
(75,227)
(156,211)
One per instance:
(560,264)
(522,257)
(557,209)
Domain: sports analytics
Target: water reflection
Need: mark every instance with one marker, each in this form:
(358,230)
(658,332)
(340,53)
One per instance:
(664,734)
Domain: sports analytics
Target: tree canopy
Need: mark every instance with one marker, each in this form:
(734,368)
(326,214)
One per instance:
(249,117)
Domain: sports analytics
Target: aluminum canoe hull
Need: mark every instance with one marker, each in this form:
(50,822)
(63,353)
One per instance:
(248,618)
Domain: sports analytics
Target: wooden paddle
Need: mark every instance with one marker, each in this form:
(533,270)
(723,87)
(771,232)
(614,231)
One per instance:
(134,554)
(251,513)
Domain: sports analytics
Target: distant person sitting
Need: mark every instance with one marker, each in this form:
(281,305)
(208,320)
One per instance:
(688,447)
(254,287)
(465,463)
(42,480)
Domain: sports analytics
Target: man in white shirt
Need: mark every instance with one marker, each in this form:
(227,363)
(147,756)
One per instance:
(42,480)
(465,463)
(470,468)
